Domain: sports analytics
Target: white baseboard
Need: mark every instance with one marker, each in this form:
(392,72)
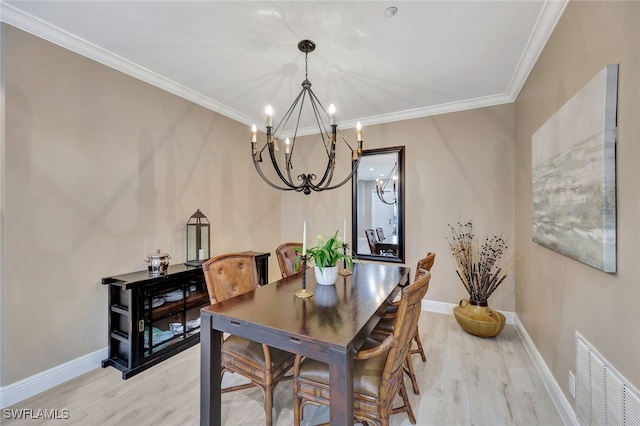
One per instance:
(26,388)
(447,308)
(557,396)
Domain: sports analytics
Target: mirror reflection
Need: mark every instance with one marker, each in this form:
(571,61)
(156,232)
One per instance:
(378,213)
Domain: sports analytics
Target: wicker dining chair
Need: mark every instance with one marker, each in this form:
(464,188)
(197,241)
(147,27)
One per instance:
(378,373)
(425,263)
(371,239)
(387,322)
(230,275)
(286,254)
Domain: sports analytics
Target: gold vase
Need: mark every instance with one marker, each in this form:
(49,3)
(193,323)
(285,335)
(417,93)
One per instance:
(478,319)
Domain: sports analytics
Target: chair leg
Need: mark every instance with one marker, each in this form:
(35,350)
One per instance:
(420,349)
(407,405)
(297,414)
(412,374)
(268,404)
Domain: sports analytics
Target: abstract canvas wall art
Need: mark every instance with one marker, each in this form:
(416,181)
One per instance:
(574,178)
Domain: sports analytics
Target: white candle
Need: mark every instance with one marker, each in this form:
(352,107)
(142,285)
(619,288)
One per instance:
(201,254)
(344,231)
(332,112)
(254,137)
(269,112)
(304,238)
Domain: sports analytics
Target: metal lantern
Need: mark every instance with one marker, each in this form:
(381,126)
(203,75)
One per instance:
(198,239)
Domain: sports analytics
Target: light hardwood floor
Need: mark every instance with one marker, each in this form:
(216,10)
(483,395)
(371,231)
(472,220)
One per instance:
(466,381)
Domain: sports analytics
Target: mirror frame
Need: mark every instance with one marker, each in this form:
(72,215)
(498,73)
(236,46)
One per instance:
(354,209)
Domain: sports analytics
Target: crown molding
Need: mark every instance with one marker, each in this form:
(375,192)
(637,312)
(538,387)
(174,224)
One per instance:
(551,12)
(549,15)
(446,108)
(410,114)
(31,24)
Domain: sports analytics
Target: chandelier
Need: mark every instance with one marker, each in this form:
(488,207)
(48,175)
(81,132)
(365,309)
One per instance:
(382,186)
(305,182)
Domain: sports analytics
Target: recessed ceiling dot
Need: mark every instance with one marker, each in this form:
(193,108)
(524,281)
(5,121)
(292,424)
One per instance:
(390,11)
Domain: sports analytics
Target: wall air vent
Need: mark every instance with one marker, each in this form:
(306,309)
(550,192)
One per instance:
(603,396)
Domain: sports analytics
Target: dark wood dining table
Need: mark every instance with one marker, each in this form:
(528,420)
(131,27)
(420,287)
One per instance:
(329,327)
(388,244)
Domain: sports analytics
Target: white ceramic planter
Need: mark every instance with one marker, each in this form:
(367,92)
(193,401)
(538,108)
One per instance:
(327,275)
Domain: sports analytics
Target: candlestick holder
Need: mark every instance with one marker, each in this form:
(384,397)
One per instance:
(344,271)
(303,293)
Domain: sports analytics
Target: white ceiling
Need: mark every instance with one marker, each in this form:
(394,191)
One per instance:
(377,166)
(235,57)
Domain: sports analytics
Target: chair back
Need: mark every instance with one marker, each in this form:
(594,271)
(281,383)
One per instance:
(425,263)
(380,234)
(403,331)
(230,275)
(371,239)
(421,273)
(287,255)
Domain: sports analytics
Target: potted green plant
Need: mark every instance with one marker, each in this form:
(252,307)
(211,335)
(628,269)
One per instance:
(326,254)
(482,267)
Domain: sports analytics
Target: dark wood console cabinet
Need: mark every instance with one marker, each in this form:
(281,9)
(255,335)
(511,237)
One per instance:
(153,317)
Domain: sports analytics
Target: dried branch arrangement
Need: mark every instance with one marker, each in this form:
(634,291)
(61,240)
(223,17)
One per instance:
(481,266)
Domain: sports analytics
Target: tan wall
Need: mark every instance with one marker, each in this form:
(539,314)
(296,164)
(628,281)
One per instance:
(557,296)
(100,170)
(458,164)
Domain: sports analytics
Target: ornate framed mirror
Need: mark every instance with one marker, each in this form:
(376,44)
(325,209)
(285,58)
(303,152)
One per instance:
(378,205)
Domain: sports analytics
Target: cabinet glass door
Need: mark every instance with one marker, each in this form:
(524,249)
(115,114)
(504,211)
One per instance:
(163,317)
(172,314)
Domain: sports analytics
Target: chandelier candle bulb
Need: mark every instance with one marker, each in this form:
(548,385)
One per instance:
(269,112)
(359,132)
(254,136)
(288,147)
(332,114)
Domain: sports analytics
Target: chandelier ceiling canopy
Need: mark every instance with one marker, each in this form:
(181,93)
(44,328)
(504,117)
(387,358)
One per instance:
(329,136)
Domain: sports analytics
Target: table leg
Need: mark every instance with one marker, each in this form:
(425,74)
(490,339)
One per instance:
(210,370)
(341,387)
